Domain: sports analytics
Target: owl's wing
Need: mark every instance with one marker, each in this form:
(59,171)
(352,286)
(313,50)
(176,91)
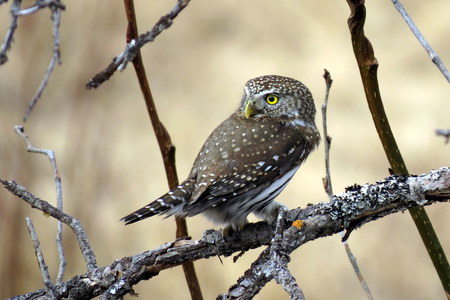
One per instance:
(249,170)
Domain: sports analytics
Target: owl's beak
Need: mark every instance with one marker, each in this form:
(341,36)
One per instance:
(249,109)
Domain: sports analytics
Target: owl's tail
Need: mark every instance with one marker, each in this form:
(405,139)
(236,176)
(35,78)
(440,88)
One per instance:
(169,204)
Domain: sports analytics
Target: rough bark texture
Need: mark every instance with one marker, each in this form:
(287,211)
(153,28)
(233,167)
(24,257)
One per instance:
(347,211)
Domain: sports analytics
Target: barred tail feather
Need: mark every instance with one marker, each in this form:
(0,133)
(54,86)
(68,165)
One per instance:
(169,204)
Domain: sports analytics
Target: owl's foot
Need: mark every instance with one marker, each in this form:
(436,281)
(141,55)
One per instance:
(270,212)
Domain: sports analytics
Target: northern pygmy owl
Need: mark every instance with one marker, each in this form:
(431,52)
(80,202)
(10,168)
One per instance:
(248,159)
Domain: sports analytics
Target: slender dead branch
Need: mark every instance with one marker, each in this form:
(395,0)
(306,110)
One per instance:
(165,143)
(435,58)
(327,139)
(73,223)
(368,66)
(40,258)
(120,62)
(328,185)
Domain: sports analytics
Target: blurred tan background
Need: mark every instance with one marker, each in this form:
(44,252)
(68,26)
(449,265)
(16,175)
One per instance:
(110,162)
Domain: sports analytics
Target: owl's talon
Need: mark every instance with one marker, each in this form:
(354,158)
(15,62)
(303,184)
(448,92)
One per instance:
(233,228)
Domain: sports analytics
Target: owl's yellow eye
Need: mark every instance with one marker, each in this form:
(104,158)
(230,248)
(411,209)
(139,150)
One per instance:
(272,99)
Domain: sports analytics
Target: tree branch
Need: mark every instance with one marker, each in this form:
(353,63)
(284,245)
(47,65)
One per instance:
(347,211)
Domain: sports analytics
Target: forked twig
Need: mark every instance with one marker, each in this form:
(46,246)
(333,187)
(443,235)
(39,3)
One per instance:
(120,62)
(73,223)
(59,202)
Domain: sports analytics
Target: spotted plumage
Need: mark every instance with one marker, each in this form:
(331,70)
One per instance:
(248,159)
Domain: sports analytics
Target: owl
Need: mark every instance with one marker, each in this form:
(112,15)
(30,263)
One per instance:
(248,159)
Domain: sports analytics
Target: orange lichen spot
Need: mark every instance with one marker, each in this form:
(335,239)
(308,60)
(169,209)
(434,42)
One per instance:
(298,223)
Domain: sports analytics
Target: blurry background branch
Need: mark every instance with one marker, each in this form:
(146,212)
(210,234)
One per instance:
(131,50)
(55,7)
(435,58)
(347,211)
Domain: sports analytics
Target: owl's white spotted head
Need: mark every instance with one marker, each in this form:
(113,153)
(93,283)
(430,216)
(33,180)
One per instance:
(277,97)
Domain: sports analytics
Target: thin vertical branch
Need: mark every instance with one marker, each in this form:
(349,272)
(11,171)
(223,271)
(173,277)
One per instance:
(328,185)
(327,139)
(433,55)
(165,144)
(368,66)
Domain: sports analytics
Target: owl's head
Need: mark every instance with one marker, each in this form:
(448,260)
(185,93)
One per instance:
(277,97)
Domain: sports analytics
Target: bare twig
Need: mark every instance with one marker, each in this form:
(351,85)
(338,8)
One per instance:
(120,62)
(59,202)
(56,6)
(349,210)
(9,37)
(368,66)
(445,133)
(40,258)
(73,223)
(433,55)
(327,143)
(328,185)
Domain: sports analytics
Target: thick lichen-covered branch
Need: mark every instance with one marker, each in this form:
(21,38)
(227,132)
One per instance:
(347,211)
